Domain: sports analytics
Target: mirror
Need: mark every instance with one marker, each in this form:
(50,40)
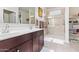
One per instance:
(9,16)
(27,15)
(24,15)
(32,15)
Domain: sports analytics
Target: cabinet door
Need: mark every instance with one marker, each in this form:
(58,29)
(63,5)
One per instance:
(41,40)
(38,41)
(35,42)
(8,44)
(26,46)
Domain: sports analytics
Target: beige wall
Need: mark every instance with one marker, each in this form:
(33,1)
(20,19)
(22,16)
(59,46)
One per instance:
(73,11)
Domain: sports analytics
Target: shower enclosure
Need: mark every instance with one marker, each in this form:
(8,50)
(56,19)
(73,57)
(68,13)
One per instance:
(56,22)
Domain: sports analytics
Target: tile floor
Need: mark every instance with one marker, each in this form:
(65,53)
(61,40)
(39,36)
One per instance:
(57,45)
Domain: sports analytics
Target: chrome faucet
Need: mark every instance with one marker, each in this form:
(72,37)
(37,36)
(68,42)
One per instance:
(5,29)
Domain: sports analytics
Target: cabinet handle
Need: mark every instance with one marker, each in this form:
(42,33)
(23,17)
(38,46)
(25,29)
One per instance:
(18,50)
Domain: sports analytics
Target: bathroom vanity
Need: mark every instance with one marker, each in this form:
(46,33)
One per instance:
(23,41)
(21,37)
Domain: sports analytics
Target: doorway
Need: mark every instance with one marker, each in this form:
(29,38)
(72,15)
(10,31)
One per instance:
(56,24)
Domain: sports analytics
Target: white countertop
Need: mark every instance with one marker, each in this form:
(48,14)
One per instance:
(4,36)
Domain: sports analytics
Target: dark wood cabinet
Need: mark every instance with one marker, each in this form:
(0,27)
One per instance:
(38,41)
(31,42)
(8,44)
(41,40)
(35,42)
(26,46)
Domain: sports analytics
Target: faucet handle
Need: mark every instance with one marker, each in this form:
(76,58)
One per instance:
(6,28)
